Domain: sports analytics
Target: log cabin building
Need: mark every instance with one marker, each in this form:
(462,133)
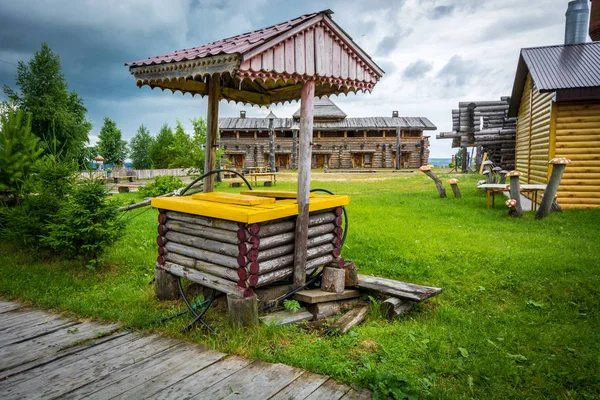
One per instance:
(339,141)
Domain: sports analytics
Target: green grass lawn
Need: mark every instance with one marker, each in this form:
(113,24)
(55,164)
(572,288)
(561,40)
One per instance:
(519,316)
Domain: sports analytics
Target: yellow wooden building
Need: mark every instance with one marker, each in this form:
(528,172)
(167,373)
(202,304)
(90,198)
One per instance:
(556,97)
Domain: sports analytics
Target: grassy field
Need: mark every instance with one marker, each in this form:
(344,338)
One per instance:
(519,316)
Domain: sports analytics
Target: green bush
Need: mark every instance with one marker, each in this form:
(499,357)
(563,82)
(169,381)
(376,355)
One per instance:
(162,185)
(85,224)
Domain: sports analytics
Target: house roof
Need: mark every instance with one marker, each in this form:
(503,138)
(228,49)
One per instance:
(556,68)
(268,65)
(324,108)
(365,123)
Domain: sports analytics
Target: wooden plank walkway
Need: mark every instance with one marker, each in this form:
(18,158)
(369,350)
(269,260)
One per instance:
(44,356)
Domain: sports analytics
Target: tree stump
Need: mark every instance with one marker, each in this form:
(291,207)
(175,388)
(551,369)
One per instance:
(351,274)
(166,285)
(333,280)
(242,311)
(393,307)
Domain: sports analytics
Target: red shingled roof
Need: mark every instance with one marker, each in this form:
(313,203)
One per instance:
(236,44)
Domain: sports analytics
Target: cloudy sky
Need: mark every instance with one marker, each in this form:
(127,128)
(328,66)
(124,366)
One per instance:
(435,52)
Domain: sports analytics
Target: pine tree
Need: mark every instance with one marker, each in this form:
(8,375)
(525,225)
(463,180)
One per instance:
(55,112)
(180,149)
(140,146)
(111,146)
(19,150)
(159,152)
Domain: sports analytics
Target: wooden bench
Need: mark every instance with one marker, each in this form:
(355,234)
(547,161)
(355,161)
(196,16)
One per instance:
(270,177)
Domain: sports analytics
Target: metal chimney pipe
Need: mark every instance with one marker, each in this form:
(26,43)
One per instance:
(595,20)
(577,22)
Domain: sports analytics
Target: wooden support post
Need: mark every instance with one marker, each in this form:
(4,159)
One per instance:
(295,149)
(464,161)
(515,193)
(242,311)
(333,280)
(558,167)
(306,132)
(398,148)
(271,149)
(212,131)
(166,285)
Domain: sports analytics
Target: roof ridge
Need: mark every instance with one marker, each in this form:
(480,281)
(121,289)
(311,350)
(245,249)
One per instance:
(560,45)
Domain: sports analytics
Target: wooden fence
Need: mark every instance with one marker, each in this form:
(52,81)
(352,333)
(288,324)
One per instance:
(141,173)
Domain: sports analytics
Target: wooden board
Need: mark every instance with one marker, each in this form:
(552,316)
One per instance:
(286,317)
(330,390)
(278,194)
(247,214)
(313,296)
(302,387)
(233,198)
(393,288)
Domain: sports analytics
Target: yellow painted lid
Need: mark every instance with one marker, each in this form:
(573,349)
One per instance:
(246,213)
(279,194)
(233,198)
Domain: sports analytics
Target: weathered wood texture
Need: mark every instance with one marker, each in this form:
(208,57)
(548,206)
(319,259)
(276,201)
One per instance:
(76,363)
(392,308)
(351,279)
(349,320)
(242,312)
(212,130)
(166,285)
(286,317)
(304,163)
(333,280)
(324,310)
(313,296)
(393,288)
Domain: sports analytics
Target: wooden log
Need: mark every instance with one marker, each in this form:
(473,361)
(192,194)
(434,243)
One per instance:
(204,232)
(351,278)
(210,268)
(165,285)
(276,228)
(393,308)
(212,131)
(515,193)
(304,165)
(243,312)
(349,320)
(333,280)
(273,253)
(319,261)
(286,317)
(203,255)
(393,288)
(204,279)
(313,296)
(438,183)
(203,243)
(327,309)
(321,218)
(558,168)
(203,221)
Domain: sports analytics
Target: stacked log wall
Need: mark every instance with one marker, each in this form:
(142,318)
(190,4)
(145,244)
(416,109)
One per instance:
(577,137)
(339,149)
(533,134)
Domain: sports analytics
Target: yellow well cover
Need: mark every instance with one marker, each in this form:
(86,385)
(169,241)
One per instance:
(233,198)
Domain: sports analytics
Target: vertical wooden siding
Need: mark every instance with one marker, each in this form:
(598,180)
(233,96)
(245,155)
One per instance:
(533,134)
(578,138)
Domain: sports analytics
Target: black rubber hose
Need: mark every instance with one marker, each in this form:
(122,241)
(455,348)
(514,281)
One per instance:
(214,171)
(343,212)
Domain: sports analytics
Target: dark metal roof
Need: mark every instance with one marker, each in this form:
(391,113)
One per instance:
(557,67)
(243,124)
(324,108)
(236,44)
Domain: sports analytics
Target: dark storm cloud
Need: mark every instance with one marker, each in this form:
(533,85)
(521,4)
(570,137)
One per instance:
(440,12)
(417,69)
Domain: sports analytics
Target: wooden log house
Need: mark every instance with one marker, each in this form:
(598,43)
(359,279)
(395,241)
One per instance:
(556,97)
(296,60)
(338,141)
(486,126)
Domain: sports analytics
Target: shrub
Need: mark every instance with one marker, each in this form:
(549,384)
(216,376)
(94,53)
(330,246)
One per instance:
(85,224)
(162,184)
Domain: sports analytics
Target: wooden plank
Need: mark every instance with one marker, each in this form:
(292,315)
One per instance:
(278,194)
(301,387)
(90,369)
(16,354)
(7,306)
(86,348)
(259,380)
(142,381)
(349,320)
(393,288)
(357,395)
(47,326)
(21,317)
(286,317)
(211,281)
(304,165)
(330,390)
(309,53)
(313,296)
(202,379)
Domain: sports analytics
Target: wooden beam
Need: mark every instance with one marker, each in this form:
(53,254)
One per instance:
(306,132)
(212,129)
(245,96)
